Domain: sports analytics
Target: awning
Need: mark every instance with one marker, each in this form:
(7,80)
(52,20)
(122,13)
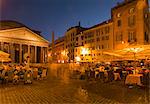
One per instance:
(131,52)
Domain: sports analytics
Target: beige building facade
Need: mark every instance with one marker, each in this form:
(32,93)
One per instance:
(70,40)
(22,43)
(130,23)
(95,40)
(129,26)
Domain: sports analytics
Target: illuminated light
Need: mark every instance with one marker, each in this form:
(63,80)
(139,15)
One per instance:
(78,58)
(123,42)
(63,53)
(136,50)
(84,51)
(58,61)
(63,61)
(77,62)
(49,55)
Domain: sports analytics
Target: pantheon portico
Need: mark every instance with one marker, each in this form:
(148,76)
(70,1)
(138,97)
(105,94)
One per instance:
(21,43)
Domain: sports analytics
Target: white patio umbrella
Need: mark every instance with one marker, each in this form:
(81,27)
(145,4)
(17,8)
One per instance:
(4,57)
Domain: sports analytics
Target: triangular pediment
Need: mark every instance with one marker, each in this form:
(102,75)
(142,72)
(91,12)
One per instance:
(22,33)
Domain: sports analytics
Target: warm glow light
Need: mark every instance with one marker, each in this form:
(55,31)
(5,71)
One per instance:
(84,51)
(63,61)
(63,53)
(49,54)
(58,61)
(136,50)
(123,42)
(78,58)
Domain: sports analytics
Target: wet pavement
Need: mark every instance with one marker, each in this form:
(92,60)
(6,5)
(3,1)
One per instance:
(72,91)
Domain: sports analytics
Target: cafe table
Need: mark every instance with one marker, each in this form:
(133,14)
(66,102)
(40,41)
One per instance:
(133,79)
(117,76)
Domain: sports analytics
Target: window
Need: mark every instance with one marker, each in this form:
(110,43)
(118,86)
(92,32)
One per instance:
(119,23)
(146,38)
(119,15)
(131,10)
(97,32)
(82,37)
(82,44)
(107,37)
(131,36)
(85,37)
(107,29)
(102,46)
(103,38)
(98,39)
(102,32)
(119,36)
(131,20)
(76,38)
(0,46)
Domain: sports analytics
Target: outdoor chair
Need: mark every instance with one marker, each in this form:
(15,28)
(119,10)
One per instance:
(102,76)
(145,79)
(110,76)
(44,73)
(35,73)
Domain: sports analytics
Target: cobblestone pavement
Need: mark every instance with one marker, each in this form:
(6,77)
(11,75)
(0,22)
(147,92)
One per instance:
(71,91)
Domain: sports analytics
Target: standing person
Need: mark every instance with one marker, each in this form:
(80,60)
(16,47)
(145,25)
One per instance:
(28,77)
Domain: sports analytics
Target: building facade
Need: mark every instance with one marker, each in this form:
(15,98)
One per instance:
(94,40)
(60,54)
(22,43)
(129,25)
(70,40)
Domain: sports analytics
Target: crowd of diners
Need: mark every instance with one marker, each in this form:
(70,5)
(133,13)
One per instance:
(108,72)
(16,73)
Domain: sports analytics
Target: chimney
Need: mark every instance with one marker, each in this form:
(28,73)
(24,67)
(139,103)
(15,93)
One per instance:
(79,24)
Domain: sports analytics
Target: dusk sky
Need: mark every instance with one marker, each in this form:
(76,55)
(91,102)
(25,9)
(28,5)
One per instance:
(56,15)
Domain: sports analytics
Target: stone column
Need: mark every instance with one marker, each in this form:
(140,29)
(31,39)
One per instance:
(41,55)
(46,54)
(28,59)
(20,53)
(35,54)
(9,48)
(2,46)
(12,52)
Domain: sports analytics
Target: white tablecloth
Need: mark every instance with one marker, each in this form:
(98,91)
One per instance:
(133,79)
(117,76)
